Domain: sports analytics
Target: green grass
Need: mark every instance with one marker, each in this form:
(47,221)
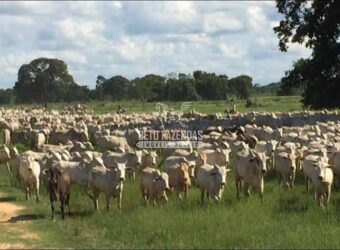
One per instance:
(268,103)
(286,219)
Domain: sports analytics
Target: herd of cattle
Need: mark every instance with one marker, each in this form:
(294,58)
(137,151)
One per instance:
(63,153)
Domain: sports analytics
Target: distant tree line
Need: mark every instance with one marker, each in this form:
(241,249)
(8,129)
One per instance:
(47,80)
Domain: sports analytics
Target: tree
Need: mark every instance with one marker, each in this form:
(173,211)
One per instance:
(99,87)
(182,89)
(6,96)
(41,81)
(316,25)
(150,87)
(241,86)
(269,89)
(115,87)
(211,86)
(293,83)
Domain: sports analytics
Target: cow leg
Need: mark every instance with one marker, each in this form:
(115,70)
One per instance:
(185,193)
(306,181)
(179,196)
(328,195)
(120,195)
(62,207)
(279,176)
(108,200)
(202,195)
(318,197)
(165,197)
(27,193)
(285,180)
(9,168)
(95,199)
(52,209)
(292,180)
(68,203)
(238,187)
(145,196)
(208,196)
(37,184)
(261,194)
(246,189)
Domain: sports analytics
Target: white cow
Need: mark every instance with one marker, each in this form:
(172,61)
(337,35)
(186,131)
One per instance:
(29,172)
(109,181)
(154,185)
(249,168)
(211,180)
(285,166)
(322,178)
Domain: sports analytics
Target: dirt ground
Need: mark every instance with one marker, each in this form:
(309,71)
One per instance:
(12,222)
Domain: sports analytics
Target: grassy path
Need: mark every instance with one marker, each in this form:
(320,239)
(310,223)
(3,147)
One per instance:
(14,225)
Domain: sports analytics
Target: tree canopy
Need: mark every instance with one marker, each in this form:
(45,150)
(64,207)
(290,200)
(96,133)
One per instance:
(316,25)
(46,80)
(241,86)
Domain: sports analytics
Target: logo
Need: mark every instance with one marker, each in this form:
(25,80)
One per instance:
(166,116)
(170,138)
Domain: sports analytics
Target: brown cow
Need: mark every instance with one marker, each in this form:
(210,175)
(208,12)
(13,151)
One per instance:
(59,188)
(179,179)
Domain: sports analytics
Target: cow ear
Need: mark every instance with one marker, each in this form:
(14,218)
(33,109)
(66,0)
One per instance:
(227,170)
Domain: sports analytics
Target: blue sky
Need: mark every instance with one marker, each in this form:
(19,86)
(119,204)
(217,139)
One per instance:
(138,38)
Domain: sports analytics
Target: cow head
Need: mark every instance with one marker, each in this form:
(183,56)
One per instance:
(52,175)
(150,157)
(120,168)
(220,174)
(162,180)
(139,155)
(224,154)
(259,162)
(323,171)
(201,159)
(184,174)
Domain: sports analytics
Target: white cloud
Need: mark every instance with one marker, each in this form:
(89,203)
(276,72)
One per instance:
(219,21)
(137,38)
(231,52)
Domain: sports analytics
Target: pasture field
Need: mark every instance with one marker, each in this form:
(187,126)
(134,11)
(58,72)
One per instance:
(286,219)
(260,103)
